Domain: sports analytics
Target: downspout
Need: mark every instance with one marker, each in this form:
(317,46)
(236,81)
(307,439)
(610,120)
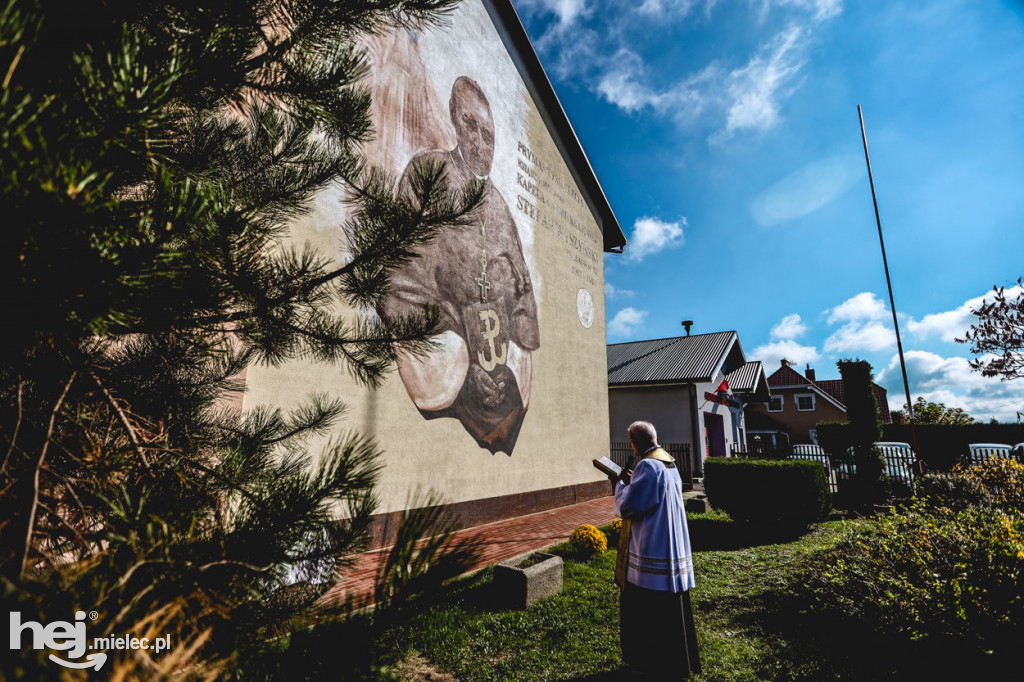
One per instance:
(698,459)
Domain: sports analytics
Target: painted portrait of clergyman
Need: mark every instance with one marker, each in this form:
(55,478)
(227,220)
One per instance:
(481,371)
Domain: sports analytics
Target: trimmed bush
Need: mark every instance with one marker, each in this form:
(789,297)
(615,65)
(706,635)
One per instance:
(790,493)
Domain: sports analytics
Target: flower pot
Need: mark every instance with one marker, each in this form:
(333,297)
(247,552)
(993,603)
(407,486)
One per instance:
(521,581)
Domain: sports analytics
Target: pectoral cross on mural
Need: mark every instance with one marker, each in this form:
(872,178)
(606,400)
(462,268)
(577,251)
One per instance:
(483,284)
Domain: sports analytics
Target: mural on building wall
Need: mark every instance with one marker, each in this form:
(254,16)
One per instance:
(482,371)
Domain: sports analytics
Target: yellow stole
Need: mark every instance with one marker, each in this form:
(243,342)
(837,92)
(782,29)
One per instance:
(622,558)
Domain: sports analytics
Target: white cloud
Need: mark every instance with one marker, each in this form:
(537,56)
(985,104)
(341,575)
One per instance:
(621,85)
(567,11)
(806,190)
(862,307)
(952,324)
(863,337)
(662,8)
(651,235)
(600,48)
(613,292)
(788,328)
(865,327)
(755,90)
(684,101)
(952,382)
(626,322)
(771,353)
(820,9)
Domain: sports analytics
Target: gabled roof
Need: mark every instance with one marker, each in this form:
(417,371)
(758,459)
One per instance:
(749,380)
(680,359)
(787,376)
(832,389)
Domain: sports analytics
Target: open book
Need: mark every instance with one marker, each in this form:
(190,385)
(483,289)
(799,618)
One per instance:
(608,467)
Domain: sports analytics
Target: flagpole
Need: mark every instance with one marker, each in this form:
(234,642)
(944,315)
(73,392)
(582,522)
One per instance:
(888,282)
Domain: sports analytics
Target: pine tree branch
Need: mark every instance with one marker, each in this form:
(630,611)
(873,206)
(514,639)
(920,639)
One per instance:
(17,427)
(123,419)
(84,543)
(13,66)
(39,466)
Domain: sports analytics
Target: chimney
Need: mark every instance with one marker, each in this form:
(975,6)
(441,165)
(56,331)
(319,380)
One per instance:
(810,373)
(784,362)
(686,325)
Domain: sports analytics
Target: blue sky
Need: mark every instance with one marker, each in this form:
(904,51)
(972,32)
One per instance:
(725,134)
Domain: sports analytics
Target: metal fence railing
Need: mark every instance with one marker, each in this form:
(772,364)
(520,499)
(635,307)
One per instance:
(978,453)
(622,454)
(900,463)
(815,453)
(758,449)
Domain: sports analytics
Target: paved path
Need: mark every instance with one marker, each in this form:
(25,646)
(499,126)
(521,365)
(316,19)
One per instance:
(499,541)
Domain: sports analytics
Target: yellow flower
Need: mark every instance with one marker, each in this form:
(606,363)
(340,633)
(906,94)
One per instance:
(587,539)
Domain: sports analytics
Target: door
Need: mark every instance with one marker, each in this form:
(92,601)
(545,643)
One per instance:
(714,435)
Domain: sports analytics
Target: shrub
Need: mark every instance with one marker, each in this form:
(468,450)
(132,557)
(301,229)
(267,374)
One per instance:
(997,483)
(952,565)
(612,531)
(927,573)
(791,493)
(587,540)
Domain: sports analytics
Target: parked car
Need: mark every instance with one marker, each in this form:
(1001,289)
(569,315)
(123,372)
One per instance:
(979,452)
(811,452)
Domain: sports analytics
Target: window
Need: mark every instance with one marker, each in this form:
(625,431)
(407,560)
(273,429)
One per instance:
(805,403)
(775,404)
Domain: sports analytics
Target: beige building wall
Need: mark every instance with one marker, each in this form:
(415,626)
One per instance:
(566,421)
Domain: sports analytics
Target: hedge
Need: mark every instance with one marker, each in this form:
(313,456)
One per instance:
(792,493)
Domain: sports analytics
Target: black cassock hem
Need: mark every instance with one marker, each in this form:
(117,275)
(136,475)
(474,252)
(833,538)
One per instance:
(657,632)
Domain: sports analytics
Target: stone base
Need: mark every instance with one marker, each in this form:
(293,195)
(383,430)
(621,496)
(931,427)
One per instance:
(518,588)
(697,505)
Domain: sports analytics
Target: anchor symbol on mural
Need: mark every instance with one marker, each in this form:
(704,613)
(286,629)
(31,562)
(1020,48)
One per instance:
(492,327)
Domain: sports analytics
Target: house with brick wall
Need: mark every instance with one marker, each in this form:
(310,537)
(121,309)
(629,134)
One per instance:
(799,402)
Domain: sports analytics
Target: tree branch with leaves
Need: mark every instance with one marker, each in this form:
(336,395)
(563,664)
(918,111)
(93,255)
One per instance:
(998,335)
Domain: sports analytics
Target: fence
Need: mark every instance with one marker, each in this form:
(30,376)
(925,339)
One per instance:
(622,454)
(898,462)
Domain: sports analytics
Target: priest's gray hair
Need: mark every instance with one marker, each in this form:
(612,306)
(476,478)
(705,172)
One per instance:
(643,435)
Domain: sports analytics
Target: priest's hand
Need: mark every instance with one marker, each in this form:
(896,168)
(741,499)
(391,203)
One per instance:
(490,390)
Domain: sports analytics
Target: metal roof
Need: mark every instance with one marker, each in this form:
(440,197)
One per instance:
(787,377)
(677,359)
(745,377)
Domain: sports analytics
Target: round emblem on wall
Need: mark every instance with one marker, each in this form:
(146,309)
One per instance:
(585,308)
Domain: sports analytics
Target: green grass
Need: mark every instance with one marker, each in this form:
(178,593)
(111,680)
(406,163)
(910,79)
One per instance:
(574,635)
(749,626)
